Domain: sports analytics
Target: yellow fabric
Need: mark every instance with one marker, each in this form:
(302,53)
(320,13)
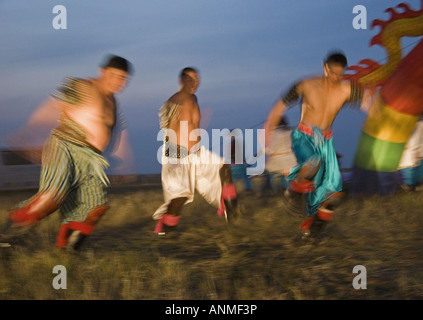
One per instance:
(390,125)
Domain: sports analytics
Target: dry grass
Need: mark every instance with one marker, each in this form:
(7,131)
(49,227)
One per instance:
(256,259)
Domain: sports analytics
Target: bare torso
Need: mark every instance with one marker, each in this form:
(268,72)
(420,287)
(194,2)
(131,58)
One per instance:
(322,101)
(96,115)
(187,121)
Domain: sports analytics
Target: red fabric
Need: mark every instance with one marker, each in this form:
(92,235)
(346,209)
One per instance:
(222,208)
(22,216)
(159,226)
(325,214)
(309,130)
(306,224)
(403,90)
(62,236)
(82,227)
(229,191)
(168,220)
(302,187)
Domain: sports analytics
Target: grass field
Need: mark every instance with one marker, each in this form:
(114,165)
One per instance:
(258,258)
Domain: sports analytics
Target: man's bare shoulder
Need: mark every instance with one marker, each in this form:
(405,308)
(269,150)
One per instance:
(309,83)
(312,81)
(319,81)
(181,98)
(345,86)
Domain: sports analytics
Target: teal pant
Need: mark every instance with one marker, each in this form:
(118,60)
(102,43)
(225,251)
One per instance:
(327,181)
(413,176)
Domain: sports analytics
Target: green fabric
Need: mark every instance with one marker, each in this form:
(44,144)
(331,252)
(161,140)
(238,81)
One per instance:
(75,175)
(378,155)
(327,180)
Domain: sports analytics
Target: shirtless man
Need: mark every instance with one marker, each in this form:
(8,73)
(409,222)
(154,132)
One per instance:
(73,177)
(317,174)
(186,165)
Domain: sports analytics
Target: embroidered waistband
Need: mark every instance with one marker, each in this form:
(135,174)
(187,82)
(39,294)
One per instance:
(175,151)
(309,130)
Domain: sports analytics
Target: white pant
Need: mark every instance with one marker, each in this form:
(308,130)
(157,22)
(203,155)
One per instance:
(181,177)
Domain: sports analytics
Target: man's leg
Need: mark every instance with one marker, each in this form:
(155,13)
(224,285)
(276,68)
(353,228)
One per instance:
(303,186)
(72,235)
(87,201)
(170,219)
(34,210)
(303,182)
(53,186)
(229,202)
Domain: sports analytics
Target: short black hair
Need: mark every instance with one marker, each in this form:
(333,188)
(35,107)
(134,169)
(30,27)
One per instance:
(337,57)
(113,61)
(185,70)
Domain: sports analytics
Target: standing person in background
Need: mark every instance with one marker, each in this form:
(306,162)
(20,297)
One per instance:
(239,169)
(186,165)
(279,155)
(73,177)
(317,174)
(411,163)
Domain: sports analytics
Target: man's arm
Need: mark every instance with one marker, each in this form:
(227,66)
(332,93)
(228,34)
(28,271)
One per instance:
(31,136)
(73,91)
(120,150)
(285,102)
(275,114)
(363,99)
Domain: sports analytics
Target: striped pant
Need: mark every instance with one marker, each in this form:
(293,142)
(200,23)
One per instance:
(74,176)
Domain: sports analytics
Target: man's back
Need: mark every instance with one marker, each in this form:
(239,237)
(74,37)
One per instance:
(186,119)
(322,101)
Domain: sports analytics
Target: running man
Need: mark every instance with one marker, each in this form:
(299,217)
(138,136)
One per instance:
(317,174)
(186,165)
(73,177)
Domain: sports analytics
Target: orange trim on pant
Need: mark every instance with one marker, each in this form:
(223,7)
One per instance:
(86,227)
(62,236)
(306,224)
(302,187)
(309,130)
(34,210)
(324,214)
(64,231)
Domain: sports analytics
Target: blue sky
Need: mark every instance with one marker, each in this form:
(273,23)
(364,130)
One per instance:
(247,52)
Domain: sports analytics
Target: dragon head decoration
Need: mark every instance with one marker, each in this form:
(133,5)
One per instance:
(400,24)
(399,100)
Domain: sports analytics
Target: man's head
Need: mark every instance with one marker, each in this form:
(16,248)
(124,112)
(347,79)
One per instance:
(115,72)
(189,79)
(334,66)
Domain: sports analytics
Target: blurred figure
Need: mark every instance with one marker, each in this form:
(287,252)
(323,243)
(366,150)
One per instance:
(73,177)
(317,174)
(239,169)
(186,165)
(279,155)
(411,164)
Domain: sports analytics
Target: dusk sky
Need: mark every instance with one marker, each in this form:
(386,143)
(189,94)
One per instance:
(247,52)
